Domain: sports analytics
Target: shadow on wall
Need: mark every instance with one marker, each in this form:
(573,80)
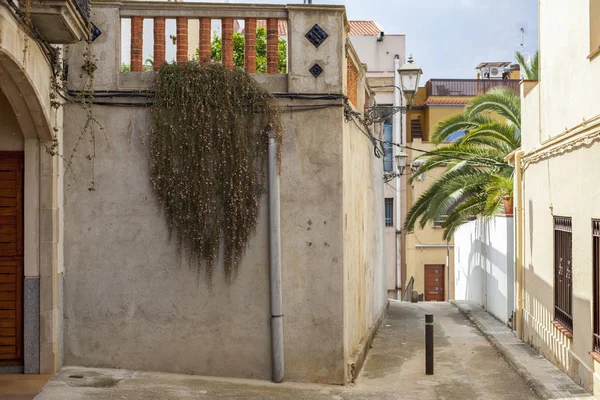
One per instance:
(547,340)
(488,279)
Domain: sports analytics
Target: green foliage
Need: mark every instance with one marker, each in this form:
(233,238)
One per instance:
(477,177)
(261,51)
(125,67)
(208,149)
(529,68)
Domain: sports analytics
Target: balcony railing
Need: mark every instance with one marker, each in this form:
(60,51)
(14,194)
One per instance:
(468,87)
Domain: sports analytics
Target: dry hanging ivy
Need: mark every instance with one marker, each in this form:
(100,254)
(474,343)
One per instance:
(208,148)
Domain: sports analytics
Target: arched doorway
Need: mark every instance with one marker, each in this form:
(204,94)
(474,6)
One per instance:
(34,345)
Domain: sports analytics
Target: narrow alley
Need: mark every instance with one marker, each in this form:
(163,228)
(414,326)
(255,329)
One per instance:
(466,367)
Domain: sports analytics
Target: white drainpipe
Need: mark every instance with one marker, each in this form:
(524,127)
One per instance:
(275,263)
(397,139)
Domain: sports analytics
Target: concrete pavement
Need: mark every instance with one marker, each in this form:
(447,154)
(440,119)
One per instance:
(545,378)
(467,367)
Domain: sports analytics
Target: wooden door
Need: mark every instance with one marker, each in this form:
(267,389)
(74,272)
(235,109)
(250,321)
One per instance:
(434,282)
(11,257)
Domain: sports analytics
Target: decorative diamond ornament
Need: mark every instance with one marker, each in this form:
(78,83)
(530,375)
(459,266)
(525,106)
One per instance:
(316,35)
(316,70)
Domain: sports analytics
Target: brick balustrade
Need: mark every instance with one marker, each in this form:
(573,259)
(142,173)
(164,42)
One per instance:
(272,46)
(182,39)
(204,46)
(250,26)
(137,43)
(159,42)
(227,43)
(250,45)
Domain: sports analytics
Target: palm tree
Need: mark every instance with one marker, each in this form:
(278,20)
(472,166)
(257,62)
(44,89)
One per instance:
(477,177)
(528,68)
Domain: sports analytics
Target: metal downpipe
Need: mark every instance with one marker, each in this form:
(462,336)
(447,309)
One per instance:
(520,271)
(275,263)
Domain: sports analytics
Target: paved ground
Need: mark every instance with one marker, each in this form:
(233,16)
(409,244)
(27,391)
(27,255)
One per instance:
(544,377)
(21,387)
(467,367)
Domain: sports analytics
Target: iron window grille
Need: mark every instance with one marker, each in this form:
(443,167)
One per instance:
(563,267)
(389,212)
(596,251)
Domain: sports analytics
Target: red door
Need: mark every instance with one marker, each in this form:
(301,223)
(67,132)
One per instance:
(434,282)
(11,257)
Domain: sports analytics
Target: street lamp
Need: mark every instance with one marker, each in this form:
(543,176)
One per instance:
(401,158)
(410,74)
(409,81)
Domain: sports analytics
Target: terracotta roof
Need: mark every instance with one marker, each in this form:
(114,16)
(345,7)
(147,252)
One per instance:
(444,101)
(281,26)
(364,28)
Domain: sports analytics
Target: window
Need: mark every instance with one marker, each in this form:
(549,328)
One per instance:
(563,264)
(388,158)
(596,266)
(389,212)
(594,28)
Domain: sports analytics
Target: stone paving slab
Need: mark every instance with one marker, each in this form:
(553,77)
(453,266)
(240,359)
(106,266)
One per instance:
(548,381)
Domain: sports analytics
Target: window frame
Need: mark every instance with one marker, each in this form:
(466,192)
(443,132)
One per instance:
(389,201)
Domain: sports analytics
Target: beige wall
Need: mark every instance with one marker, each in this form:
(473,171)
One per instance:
(557,182)
(364,273)
(11,138)
(131,302)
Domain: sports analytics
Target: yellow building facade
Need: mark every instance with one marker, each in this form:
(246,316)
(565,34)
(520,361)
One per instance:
(429,260)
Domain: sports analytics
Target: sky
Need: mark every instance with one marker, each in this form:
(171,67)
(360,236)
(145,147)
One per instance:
(447,38)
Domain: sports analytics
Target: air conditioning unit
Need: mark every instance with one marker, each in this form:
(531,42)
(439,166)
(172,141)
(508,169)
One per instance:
(495,72)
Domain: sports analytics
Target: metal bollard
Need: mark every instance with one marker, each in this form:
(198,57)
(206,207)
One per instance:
(428,344)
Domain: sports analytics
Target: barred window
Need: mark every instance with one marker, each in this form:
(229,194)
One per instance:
(596,266)
(563,267)
(389,212)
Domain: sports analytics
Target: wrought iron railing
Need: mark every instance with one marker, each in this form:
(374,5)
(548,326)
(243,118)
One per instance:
(468,87)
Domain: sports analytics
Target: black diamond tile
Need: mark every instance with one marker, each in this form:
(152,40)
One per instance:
(316,35)
(316,70)
(95,32)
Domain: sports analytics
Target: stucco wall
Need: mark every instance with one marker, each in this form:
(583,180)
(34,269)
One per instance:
(561,183)
(130,301)
(11,138)
(483,252)
(364,270)
(379,56)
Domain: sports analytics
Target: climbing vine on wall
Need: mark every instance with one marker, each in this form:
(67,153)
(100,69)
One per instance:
(208,147)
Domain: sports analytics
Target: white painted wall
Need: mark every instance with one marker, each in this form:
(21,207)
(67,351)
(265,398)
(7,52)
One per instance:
(483,256)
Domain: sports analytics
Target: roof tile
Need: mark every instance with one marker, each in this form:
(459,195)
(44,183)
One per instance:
(364,28)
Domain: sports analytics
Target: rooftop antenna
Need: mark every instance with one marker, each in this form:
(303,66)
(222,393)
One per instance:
(522,39)
(307,1)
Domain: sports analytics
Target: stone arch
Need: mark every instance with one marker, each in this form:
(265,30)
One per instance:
(27,85)
(31,112)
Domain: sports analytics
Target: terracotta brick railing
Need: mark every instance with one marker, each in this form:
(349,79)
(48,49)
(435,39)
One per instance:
(228,14)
